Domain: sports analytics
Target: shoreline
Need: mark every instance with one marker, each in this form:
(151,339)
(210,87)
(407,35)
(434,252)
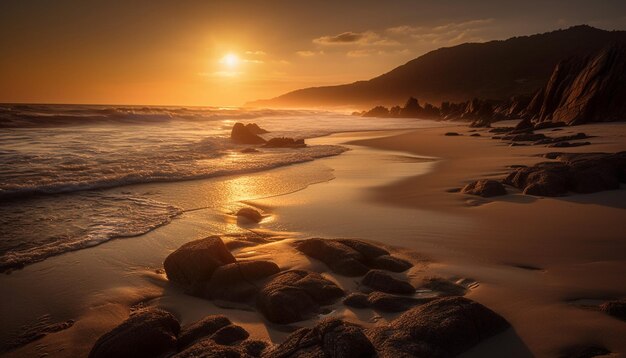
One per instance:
(500,285)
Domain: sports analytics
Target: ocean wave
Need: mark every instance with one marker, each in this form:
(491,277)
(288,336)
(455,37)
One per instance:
(32,232)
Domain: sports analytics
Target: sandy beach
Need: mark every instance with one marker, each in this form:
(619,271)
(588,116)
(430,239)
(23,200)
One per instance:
(534,261)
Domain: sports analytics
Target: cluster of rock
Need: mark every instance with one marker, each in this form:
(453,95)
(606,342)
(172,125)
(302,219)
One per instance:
(154,332)
(580,90)
(250,134)
(433,326)
(445,327)
(573,172)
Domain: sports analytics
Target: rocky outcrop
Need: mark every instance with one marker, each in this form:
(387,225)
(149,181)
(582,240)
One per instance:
(575,172)
(296,295)
(378,111)
(147,333)
(485,188)
(246,134)
(328,338)
(284,142)
(192,265)
(442,328)
(584,89)
(351,257)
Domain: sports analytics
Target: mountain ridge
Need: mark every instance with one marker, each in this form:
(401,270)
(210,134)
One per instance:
(516,66)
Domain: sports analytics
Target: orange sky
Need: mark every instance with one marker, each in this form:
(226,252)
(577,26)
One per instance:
(170,52)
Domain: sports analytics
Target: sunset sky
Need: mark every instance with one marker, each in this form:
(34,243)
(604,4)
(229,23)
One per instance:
(224,53)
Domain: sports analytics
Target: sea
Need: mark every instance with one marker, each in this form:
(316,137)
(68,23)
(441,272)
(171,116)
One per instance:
(57,162)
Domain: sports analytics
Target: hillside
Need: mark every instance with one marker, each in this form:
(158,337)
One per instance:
(495,70)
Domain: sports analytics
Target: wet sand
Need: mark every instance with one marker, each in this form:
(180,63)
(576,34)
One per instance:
(390,188)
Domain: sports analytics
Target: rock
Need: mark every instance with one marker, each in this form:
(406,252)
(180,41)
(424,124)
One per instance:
(616,308)
(255,129)
(238,281)
(445,327)
(386,302)
(475,135)
(328,338)
(207,348)
(452,134)
(501,129)
(254,348)
(378,111)
(568,144)
(564,138)
(284,142)
(525,137)
(443,287)
(339,257)
(584,352)
(147,333)
(201,329)
(250,214)
(382,281)
(356,300)
(576,172)
(485,188)
(350,257)
(390,263)
(229,335)
(192,264)
(295,295)
(249,150)
(243,135)
(584,89)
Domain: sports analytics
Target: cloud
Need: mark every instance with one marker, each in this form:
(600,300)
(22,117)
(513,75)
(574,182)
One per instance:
(256,53)
(307,53)
(366,38)
(402,39)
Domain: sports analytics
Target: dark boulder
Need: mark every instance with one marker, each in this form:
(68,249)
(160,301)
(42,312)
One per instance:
(564,138)
(296,295)
(255,348)
(250,214)
(229,335)
(382,281)
(356,300)
(284,142)
(193,264)
(243,135)
(386,302)
(201,329)
(238,281)
(445,327)
(339,257)
(207,348)
(525,137)
(378,111)
(350,257)
(616,308)
(443,287)
(485,188)
(146,333)
(255,129)
(329,338)
(390,263)
(576,172)
(452,134)
(568,144)
(475,135)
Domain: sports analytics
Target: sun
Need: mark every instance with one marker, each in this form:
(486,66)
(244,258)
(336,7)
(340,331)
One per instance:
(230,60)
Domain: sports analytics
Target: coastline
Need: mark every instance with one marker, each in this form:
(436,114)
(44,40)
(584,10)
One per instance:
(460,239)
